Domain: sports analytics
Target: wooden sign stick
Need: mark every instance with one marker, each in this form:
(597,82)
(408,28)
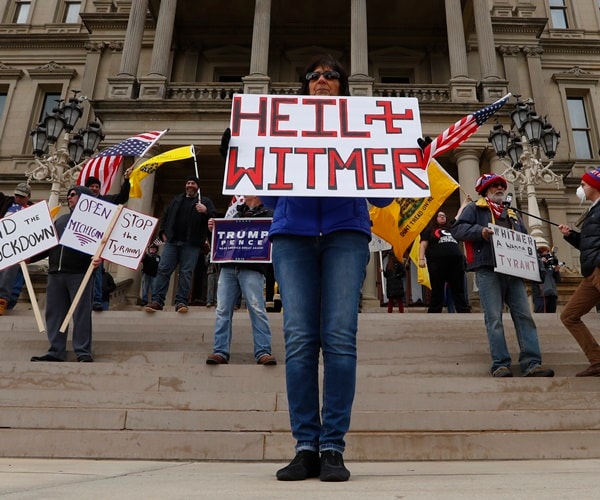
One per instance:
(90,270)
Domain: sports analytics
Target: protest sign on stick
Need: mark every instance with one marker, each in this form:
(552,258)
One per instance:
(325,146)
(24,234)
(88,224)
(128,240)
(515,253)
(241,240)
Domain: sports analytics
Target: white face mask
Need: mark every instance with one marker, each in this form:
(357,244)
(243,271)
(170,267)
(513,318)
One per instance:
(580,194)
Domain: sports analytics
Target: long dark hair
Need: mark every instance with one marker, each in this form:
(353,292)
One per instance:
(326,61)
(433,223)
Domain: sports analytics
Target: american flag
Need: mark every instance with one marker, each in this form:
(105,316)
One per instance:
(459,132)
(106,164)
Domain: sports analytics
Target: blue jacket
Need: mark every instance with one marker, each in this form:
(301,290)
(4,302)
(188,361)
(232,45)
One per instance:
(469,225)
(312,216)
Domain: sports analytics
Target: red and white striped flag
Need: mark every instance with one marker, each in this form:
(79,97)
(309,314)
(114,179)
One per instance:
(459,132)
(105,164)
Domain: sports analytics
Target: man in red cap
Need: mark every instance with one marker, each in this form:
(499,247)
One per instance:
(497,289)
(587,294)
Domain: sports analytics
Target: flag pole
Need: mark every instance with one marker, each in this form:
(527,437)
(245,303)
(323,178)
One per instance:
(195,161)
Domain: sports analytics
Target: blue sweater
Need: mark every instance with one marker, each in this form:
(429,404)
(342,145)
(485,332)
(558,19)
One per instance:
(312,216)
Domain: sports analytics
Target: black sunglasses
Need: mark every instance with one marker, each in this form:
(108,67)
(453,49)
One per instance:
(496,185)
(71,194)
(329,75)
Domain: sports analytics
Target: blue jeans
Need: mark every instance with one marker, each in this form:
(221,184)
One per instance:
(98,284)
(250,283)
(320,280)
(495,290)
(211,287)
(177,253)
(147,287)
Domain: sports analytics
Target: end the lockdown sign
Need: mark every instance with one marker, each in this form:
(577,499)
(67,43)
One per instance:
(26,233)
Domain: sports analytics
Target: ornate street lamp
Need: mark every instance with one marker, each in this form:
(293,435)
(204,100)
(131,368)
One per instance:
(60,162)
(525,168)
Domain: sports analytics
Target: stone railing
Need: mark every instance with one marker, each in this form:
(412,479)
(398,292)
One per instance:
(219,92)
(422,92)
(203,91)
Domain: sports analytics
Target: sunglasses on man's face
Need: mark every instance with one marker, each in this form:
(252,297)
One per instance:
(70,195)
(496,185)
(329,75)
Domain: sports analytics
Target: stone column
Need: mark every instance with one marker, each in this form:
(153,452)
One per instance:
(534,65)
(467,161)
(124,85)
(258,81)
(510,53)
(492,86)
(485,40)
(463,88)
(93,56)
(154,85)
(360,81)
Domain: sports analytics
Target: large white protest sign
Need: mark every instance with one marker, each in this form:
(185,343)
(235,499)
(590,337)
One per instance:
(515,253)
(325,146)
(129,238)
(88,224)
(26,233)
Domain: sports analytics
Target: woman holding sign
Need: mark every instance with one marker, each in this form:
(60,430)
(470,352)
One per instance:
(320,253)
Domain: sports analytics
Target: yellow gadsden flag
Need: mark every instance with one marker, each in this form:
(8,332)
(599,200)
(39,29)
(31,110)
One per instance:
(150,166)
(422,272)
(403,220)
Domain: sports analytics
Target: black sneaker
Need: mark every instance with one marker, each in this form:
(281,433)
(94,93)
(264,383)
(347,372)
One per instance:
(47,357)
(332,467)
(305,464)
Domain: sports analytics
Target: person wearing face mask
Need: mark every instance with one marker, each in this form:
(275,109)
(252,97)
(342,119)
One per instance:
(497,289)
(587,294)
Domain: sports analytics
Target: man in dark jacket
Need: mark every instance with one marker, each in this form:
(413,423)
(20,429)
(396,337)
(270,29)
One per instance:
(497,289)
(587,294)
(66,269)
(184,229)
(9,205)
(249,280)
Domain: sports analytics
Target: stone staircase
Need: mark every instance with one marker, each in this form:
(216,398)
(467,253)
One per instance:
(424,393)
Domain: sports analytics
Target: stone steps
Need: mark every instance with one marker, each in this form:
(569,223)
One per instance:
(423,393)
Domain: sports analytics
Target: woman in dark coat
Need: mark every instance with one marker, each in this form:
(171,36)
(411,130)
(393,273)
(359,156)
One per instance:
(394,282)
